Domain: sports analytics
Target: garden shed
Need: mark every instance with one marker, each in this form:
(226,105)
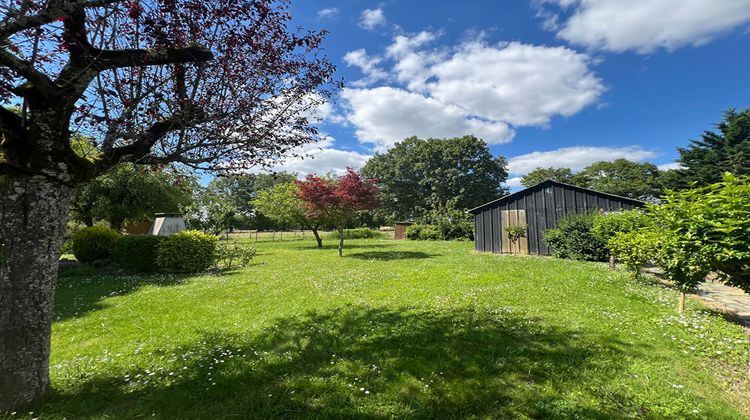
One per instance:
(538,208)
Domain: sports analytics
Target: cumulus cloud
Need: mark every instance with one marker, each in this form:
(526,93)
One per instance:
(367,64)
(372,18)
(575,158)
(328,13)
(644,25)
(385,115)
(471,88)
(320,158)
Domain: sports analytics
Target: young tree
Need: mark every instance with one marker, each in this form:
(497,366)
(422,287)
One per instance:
(238,192)
(705,161)
(211,84)
(131,193)
(417,175)
(336,202)
(281,203)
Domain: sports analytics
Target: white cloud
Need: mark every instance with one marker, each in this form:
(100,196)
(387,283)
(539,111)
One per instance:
(372,18)
(328,13)
(472,88)
(367,64)
(319,158)
(669,166)
(514,182)
(386,115)
(575,158)
(645,25)
(517,83)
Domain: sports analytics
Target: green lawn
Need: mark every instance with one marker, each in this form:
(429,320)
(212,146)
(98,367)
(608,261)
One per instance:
(393,329)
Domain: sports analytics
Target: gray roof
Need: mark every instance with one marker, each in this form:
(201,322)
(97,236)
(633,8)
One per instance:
(547,182)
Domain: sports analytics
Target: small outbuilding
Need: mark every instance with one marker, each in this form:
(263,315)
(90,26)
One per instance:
(399,230)
(537,208)
(167,224)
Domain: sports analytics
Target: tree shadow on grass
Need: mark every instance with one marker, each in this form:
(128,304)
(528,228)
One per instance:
(361,362)
(347,246)
(76,296)
(391,255)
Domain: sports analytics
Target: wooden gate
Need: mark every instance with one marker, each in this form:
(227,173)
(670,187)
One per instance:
(510,218)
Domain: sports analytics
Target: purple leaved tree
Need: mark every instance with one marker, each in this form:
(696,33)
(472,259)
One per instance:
(210,84)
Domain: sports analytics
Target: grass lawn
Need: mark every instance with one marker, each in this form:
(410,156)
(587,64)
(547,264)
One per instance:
(393,329)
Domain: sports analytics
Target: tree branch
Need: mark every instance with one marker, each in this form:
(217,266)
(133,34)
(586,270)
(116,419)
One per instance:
(27,71)
(54,11)
(113,59)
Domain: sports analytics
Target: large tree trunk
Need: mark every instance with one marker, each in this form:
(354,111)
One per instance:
(317,237)
(35,211)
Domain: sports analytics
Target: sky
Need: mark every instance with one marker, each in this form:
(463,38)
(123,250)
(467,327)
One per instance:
(543,82)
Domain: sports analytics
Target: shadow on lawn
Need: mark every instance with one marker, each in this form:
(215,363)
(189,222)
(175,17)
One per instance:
(391,255)
(448,363)
(76,296)
(347,246)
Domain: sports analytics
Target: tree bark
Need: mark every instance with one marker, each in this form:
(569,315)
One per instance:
(341,242)
(612,262)
(681,304)
(318,239)
(35,211)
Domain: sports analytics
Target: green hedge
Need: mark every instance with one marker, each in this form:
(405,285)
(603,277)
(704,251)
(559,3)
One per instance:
(187,252)
(358,233)
(94,243)
(138,253)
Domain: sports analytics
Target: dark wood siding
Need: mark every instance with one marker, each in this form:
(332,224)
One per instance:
(544,205)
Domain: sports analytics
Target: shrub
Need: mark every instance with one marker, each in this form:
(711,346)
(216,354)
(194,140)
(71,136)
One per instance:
(94,243)
(187,252)
(574,238)
(635,248)
(359,233)
(451,223)
(421,232)
(230,255)
(607,225)
(138,253)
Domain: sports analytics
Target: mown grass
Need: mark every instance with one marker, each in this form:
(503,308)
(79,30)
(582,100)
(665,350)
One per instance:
(392,329)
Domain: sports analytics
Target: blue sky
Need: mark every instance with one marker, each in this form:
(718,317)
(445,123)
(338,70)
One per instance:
(544,82)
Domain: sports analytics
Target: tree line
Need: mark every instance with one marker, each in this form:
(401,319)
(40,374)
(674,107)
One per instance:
(417,179)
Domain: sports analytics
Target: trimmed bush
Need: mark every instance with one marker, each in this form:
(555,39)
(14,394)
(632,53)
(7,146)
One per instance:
(452,224)
(94,243)
(188,251)
(358,233)
(420,232)
(137,253)
(574,239)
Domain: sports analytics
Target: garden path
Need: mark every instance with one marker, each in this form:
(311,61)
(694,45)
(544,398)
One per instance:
(730,300)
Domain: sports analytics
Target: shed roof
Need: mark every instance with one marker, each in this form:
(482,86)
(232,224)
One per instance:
(547,182)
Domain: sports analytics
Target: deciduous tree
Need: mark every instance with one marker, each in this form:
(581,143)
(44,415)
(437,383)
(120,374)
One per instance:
(211,84)
(558,174)
(282,204)
(336,202)
(418,175)
(131,193)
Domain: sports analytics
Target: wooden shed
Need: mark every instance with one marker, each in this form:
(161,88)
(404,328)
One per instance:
(538,208)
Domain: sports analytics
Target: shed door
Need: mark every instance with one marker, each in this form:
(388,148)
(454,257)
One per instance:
(513,218)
